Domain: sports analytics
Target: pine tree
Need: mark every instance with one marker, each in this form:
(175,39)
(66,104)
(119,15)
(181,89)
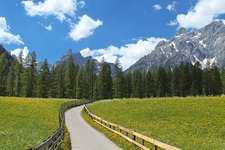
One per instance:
(185,80)
(43,80)
(149,81)
(216,82)
(105,81)
(11,80)
(81,85)
(90,78)
(223,79)
(53,83)
(59,76)
(206,81)
(70,78)
(196,75)
(161,81)
(137,84)
(128,85)
(118,83)
(175,81)
(18,75)
(29,76)
(3,73)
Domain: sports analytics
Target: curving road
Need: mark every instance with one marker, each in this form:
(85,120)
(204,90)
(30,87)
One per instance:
(83,136)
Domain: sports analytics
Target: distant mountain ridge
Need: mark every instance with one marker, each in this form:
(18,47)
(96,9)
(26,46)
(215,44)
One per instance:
(206,45)
(81,61)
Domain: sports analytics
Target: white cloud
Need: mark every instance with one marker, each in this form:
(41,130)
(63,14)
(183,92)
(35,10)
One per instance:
(6,37)
(171,7)
(84,28)
(49,27)
(81,3)
(157,7)
(172,23)
(58,8)
(17,51)
(129,54)
(203,13)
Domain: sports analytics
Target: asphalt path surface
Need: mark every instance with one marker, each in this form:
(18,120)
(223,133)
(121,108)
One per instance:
(83,136)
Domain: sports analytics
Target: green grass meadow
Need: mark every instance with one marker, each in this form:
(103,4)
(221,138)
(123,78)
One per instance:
(187,123)
(26,122)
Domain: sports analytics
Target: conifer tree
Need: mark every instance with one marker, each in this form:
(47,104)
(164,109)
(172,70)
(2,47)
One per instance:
(11,80)
(223,79)
(161,82)
(18,75)
(216,82)
(53,83)
(70,76)
(105,81)
(118,83)
(59,76)
(196,75)
(128,85)
(3,73)
(149,81)
(30,75)
(90,78)
(185,79)
(43,80)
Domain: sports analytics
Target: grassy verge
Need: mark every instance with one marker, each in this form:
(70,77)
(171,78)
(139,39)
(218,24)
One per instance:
(121,142)
(66,144)
(26,122)
(187,123)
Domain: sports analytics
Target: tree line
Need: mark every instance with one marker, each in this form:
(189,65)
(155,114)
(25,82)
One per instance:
(21,78)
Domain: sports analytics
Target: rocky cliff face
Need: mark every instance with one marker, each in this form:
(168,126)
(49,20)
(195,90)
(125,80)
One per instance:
(206,45)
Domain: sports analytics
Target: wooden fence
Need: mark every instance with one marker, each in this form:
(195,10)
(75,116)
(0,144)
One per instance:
(53,141)
(131,136)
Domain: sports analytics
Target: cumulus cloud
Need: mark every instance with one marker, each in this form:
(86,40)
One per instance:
(6,37)
(171,7)
(203,13)
(17,52)
(49,27)
(172,23)
(157,7)
(58,8)
(81,4)
(128,54)
(84,28)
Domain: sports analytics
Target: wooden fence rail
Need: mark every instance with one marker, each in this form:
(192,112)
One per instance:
(53,141)
(131,136)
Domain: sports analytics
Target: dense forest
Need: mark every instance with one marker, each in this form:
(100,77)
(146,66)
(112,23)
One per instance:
(21,78)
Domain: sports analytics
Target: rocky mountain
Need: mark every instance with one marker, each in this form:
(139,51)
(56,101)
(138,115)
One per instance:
(206,45)
(78,58)
(81,61)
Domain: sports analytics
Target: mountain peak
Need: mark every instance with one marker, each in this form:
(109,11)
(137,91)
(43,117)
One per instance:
(182,30)
(69,52)
(214,26)
(204,45)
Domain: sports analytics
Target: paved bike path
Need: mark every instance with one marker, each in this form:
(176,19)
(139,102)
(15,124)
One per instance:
(83,136)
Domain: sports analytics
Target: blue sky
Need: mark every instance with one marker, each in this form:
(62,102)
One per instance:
(108,28)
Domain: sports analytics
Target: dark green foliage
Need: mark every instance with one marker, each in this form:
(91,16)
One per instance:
(66,80)
(18,75)
(104,81)
(30,76)
(10,80)
(4,66)
(161,82)
(216,84)
(118,82)
(59,74)
(43,83)
(70,75)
